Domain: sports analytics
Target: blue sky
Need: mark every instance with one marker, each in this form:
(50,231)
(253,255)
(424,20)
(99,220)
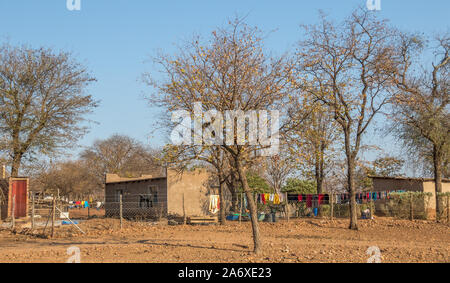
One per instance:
(114,38)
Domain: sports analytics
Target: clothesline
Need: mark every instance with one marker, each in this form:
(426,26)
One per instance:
(367,196)
(273,198)
(309,199)
(341,197)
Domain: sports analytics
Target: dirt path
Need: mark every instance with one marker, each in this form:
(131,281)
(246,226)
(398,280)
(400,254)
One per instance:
(300,240)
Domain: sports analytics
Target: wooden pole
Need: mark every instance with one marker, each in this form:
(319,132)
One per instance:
(411,215)
(184,212)
(53,216)
(120,211)
(13,216)
(32,212)
(71,221)
(286,206)
(448,209)
(332,206)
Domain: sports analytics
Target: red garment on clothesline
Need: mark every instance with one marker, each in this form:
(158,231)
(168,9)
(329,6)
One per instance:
(320,198)
(308,200)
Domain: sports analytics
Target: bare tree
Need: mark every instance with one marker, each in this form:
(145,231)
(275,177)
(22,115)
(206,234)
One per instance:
(122,155)
(71,179)
(421,114)
(230,72)
(276,169)
(346,66)
(388,166)
(42,101)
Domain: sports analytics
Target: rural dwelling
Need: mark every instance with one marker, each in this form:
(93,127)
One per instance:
(14,189)
(409,184)
(176,194)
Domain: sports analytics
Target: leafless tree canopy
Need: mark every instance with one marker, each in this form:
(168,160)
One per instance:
(121,155)
(42,101)
(421,113)
(347,67)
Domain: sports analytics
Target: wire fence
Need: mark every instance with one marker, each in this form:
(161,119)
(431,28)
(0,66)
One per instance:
(136,206)
(48,213)
(406,205)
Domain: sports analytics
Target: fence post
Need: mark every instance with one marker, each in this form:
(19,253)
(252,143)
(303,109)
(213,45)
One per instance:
(184,212)
(13,216)
(121,211)
(287,206)
(448,209)
(332,206)
(32,212)
(411,212)
(53,216)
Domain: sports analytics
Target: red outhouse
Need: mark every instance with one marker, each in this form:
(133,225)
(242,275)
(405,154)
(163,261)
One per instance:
(14,189)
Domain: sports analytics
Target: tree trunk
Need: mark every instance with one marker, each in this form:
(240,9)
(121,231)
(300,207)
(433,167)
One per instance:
(437,157)
(319,184)
(232,185)
(252,207)
(319,171)
(17,160)
(351,190)
(222,218)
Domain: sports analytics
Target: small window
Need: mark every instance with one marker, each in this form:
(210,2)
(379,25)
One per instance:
(150,199)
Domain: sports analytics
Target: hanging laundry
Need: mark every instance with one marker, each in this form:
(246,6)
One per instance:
(214,204)
(271,197)
(292,197)
(319,199)
(309,200)
(276,199)
(326,199)
(267,196)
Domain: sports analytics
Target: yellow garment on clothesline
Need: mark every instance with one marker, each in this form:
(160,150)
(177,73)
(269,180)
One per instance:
(276,199)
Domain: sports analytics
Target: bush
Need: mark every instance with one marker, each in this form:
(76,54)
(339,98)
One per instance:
(399,205)
(343,210)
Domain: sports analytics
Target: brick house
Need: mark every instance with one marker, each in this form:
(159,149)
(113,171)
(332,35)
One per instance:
(410,184)
(175,194)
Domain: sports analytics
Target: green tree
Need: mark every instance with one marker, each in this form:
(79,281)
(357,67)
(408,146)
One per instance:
(257,183)
(298,186)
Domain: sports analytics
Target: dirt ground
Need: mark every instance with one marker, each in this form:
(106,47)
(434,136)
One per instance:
(83,213)
(299,240)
